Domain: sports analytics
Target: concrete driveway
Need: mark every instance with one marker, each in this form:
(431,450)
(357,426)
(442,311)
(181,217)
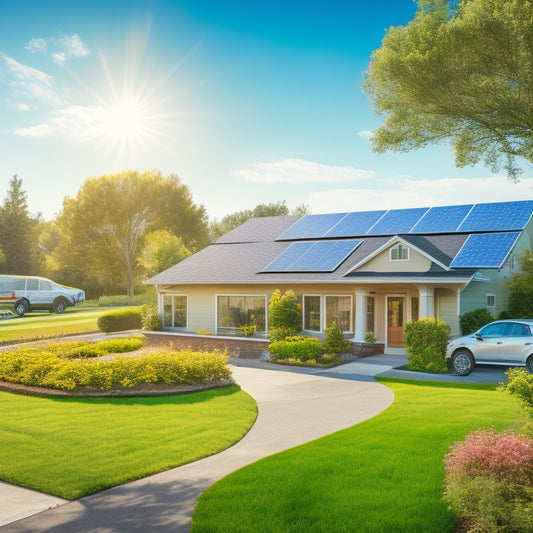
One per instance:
(294,407)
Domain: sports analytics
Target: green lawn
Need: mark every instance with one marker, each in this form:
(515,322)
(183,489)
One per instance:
(384,474)
(71,447)
(43,324)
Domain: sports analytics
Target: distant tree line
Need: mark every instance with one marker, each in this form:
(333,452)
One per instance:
(118,230)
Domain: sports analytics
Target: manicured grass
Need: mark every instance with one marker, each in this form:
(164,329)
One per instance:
(43,324)
(384,474)
(73,447)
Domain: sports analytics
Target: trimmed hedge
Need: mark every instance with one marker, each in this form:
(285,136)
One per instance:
(120,320)
(425,342)
(296,347)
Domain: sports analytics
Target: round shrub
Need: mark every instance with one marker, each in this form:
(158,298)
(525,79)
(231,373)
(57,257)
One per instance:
(284,315)
(425,342)
(334,342)
(120,320)
(296,347)
(473,320)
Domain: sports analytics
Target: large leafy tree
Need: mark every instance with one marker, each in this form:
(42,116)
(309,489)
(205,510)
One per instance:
(19,233)
(161,250)
(461,73)
(103,228)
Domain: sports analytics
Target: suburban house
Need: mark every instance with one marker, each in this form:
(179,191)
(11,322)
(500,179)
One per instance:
(371,272)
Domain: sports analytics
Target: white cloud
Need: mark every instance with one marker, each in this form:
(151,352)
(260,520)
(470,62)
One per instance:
(79,121)
(420,193)
(24,72)
(19,106)
(296,171)
(42,130)
(366,134)
(69,47)
(36,45)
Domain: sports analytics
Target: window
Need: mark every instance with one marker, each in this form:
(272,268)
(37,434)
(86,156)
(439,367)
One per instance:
(32,284)
(399,252)
(491,301)
(339,310)
(174,311)
(312,313)
(370,314)
(234,311)
(45,285)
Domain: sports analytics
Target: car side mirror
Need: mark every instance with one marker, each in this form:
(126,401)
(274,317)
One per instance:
(479,337)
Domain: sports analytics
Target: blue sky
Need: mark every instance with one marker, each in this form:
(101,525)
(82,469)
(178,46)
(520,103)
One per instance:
(247,101)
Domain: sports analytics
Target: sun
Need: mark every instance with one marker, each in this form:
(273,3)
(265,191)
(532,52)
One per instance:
(128,120)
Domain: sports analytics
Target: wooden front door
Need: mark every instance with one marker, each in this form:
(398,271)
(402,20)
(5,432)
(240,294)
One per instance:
(395,320)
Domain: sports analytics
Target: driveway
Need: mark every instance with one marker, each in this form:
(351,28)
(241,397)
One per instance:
(295,407)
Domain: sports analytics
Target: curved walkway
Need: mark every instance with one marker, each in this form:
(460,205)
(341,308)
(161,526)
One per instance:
(294,407)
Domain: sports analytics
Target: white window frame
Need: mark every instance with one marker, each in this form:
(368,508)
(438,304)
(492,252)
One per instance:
(323,303)
(320,328)
(246,296)
(162,310)
(490,296)
(400,247)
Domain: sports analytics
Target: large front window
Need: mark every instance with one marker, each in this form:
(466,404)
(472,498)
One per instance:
(320,311)
(174,311)
(234,312)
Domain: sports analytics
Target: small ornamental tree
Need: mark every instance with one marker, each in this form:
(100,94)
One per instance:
(426,341)
(284,315)
(334,342)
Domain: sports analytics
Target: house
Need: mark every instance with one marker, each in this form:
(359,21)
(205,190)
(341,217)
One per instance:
(371,272)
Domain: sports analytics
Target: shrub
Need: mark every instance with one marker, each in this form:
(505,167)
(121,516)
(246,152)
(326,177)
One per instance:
(296,347)
(151,319)
(204,332)
(489,481)
(284,315)
(120,320)
(334,342)
(520,384)
(370,339)
(425,342)
(474,320)
(248,330)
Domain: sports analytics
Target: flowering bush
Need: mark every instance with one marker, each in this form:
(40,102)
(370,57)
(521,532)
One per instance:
(489,481)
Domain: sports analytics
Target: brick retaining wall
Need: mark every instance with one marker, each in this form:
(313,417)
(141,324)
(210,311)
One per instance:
(235,346)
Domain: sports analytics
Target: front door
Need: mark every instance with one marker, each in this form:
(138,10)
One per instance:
(395,320)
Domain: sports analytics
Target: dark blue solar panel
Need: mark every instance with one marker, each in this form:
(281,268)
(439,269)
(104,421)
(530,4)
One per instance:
(397,221)
(311,226)
(355,224)
(288,256)
(444,219)
(313,256)
(502,216)
(485,250)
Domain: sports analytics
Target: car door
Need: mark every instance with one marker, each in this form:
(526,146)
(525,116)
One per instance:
(488,347)
(517,337)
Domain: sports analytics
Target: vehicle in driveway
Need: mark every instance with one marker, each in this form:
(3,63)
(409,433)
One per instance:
(30,293)
(503,342)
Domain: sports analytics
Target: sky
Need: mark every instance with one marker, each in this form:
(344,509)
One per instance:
(248,102)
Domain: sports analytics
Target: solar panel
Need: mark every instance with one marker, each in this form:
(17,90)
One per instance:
(355,224)
(397,221)
(485,250)
(311,226)
(319,256)
(444,219)
(501,216)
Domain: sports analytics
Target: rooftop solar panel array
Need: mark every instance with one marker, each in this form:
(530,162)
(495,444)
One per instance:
(502,216)
(485,250)
(315,256)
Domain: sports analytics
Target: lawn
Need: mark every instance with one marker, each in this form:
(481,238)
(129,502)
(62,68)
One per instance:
(384,474)
(43,324)
(71,447)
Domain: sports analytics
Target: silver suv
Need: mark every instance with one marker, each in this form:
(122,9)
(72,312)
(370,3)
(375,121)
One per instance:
(504,342)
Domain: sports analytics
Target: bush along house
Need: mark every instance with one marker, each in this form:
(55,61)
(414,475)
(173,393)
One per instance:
(370,272)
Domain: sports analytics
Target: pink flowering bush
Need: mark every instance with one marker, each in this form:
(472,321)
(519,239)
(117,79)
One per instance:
(489,481)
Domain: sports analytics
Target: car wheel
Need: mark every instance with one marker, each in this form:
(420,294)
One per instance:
(529,364)
(20,307)
(463,362)
(60,307)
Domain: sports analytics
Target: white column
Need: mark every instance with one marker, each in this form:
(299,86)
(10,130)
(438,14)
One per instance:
(360,316)
(427,301)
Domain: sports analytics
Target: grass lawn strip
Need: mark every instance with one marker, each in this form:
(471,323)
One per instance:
(384,474)
(73,447)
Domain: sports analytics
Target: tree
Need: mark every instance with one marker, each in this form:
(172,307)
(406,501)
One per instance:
(104,227)
(284,315)
(462,73)
(217,228)
(161,251)
(521,296)
(19,233)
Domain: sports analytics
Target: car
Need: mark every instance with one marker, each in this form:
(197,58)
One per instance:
(30,293)
(503,342)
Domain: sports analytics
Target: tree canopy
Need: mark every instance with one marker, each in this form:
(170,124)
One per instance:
(461,73)
(161,250)
(102,230)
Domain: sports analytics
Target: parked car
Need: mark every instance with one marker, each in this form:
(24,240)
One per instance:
(29,293)
(503,342)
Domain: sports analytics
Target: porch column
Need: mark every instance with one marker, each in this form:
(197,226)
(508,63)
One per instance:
(360,316)
(427,301)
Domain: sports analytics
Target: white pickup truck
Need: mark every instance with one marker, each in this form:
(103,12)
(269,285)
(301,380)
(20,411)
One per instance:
(29,293)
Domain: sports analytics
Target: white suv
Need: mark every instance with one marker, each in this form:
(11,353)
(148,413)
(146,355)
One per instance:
(29,293)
